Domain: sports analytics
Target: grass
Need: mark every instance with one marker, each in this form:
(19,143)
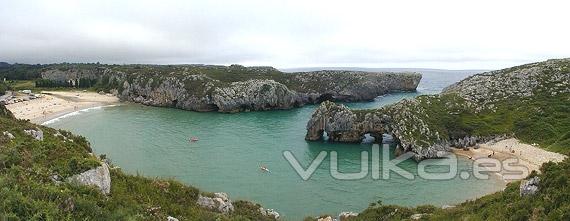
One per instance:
(22,85)
(27,191)
(550,203)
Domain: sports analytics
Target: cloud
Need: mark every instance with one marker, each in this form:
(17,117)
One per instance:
(407,33)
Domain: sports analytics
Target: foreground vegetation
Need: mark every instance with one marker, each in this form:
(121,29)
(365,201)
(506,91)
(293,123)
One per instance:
(33,187)
(552,202)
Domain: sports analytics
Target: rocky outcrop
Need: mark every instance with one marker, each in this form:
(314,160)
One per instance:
(219,202)
(35,133)
(72,75)
(235,88)
(9,135)
(325,218)
(417,216)
(98,177)
(429,125)
(345,216)
(269,213)
(255,95)
(529,187)
(486,89)
(344,125)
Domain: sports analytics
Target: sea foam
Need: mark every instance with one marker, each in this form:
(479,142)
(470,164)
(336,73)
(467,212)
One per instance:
(75,113)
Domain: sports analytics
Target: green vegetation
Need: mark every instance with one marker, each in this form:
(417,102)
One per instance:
(21,71)
(530,102)
(3,88)
(27,191)
(550,203)
(21,84)
(541,119)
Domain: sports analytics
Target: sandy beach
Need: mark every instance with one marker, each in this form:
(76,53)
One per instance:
(529,156)
(54,104)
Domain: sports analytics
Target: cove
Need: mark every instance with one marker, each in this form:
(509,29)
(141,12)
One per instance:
(154,142)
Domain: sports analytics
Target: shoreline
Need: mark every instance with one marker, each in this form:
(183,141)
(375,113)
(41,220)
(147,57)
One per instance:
(64,114)
(56,104)
(528,156)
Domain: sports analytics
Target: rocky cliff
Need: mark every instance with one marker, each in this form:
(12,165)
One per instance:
(233,88)
(514,101)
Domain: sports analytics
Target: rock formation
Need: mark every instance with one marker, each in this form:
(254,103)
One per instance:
(269,213)
(234,88)
(98,177)
(345,216)
(219,202)
(9,135)
(430,125)
(35,133)
(529,187)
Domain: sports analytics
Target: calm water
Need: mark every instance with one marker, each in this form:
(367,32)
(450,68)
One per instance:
(154,142)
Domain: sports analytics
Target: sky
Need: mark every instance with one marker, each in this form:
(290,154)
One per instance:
(445,34)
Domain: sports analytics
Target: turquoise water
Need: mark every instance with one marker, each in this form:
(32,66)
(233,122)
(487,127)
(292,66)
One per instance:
(154,142)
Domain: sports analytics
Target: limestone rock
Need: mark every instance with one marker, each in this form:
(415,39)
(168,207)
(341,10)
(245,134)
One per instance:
(346,215)
(213,88)
(417,216)
(36,134)
(9,135)
(98,177)
(415,131)
(529,187)
(170,218)
(269,213)
(523,81)
(326,218)
(220,203)
(254,95)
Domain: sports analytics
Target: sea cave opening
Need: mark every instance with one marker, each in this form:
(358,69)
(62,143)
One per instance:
(325,136)
(325,97)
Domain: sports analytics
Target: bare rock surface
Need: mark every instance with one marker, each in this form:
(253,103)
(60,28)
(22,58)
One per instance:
(529,187)
(35,133)
(219,202)
(98,177)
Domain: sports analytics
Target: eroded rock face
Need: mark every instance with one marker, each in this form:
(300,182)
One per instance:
(344,125)
(529,187)
(220,203)
(98,177)
(255,95)
(336,120)
(214,88)
(429,125)
(485,89)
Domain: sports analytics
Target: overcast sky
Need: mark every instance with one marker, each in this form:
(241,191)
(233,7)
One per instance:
(454,34)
